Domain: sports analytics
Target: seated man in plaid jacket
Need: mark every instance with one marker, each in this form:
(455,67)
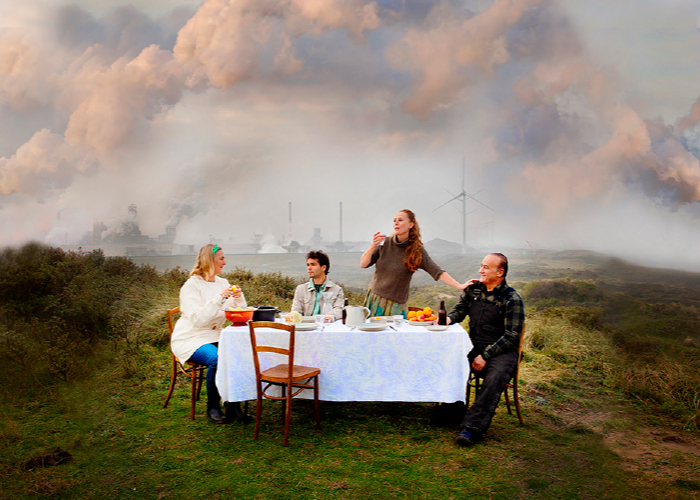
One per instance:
(496,316)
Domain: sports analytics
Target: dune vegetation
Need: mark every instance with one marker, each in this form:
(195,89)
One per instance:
(610,387)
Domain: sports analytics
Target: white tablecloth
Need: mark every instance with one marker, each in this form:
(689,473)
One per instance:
(411,364)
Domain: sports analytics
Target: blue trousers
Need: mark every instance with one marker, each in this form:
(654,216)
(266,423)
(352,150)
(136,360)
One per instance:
(496,375)
(208,355)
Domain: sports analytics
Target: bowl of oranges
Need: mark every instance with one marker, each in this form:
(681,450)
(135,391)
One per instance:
(421,317)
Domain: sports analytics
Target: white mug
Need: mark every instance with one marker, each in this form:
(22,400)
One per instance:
(356,315)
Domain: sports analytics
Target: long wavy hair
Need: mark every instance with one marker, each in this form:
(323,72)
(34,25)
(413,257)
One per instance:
(414,257)
(204,266)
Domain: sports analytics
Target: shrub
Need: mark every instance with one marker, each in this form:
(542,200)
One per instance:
(587,317)
(560,334)
(56,305)
(561,292)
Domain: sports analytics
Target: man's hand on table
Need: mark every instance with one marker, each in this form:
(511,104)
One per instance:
(478,363)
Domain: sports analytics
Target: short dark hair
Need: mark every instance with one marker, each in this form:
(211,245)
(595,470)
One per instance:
(321,257)
(503,264)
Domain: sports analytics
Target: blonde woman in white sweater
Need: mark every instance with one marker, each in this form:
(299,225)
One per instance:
(203,298)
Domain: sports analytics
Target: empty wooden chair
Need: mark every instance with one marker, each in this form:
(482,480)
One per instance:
(195,372)
(475,382)
(291,378)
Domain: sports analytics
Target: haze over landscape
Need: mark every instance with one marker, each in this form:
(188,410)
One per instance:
(577,121)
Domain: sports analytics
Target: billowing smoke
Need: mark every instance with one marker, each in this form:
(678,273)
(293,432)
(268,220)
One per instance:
(112,96)
(188,207)
(218,116)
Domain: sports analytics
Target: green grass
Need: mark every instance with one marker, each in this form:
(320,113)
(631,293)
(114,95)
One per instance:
(608,371)
(126,446)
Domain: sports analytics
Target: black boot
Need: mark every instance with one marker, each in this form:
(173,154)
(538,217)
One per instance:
(216,415)
(234,412)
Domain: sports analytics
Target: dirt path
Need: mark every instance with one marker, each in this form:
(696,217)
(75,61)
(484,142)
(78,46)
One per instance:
(645,444)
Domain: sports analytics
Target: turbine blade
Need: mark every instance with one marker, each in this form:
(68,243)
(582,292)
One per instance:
(453,199)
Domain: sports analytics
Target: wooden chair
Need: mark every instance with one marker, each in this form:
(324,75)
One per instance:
(475,382)
(195,372)
(291,378)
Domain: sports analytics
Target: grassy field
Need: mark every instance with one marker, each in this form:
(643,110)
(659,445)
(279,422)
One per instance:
(608,386)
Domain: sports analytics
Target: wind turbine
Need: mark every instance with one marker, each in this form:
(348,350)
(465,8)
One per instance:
(462,196)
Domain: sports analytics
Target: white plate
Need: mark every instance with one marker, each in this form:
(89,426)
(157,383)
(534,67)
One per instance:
(307,319)
(436,328)
(369,327)
(420,323)
(305,327)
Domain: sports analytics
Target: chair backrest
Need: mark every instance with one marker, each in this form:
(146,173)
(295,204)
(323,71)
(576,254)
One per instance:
(252,325)
(171,313)
(520,352)
(520,344)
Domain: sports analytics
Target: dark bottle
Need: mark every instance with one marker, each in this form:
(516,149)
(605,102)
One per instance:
(345,311)
(442,314)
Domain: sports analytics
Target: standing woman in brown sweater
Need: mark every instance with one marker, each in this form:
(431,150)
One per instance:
(396,258)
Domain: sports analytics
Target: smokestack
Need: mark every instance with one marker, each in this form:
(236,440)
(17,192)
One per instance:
(341,222)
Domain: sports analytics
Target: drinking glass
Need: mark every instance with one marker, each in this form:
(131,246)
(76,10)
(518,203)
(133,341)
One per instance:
(398,320)
(319,318)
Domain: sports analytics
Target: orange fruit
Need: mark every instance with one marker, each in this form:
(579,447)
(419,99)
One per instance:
(427,311)
(411,314)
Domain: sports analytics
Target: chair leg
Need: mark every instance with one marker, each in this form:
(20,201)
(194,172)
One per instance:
(517,401)
(316,412)
(200,378)
(173,378)
(193,397)
(258,412)
(284,404)
(288,417)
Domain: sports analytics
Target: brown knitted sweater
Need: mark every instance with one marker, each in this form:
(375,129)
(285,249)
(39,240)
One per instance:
(391,279)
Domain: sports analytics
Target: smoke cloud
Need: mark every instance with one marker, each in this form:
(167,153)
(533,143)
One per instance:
(213,116)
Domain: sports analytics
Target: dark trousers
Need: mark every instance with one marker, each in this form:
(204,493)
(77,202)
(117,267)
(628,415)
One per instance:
(495,376)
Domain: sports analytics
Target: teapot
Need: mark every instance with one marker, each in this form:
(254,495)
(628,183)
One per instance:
(356,315)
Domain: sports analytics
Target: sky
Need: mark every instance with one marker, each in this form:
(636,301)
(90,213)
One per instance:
(572,125)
